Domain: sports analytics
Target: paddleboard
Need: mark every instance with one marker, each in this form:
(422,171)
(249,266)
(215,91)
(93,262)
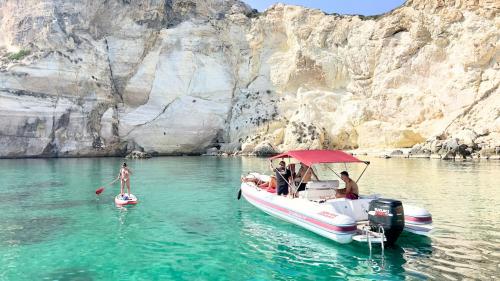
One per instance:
(126,199)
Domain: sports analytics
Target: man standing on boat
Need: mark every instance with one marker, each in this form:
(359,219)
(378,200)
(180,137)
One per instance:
(283,176)
(124,177)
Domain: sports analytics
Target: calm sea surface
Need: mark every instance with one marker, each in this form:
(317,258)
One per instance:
(188,224)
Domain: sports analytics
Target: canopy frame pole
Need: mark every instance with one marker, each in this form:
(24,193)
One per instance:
(334,172)
(291,173)
(366,167)
(313,173)
(301,180)
(292,184)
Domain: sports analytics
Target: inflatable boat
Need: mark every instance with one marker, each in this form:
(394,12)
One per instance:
(370,218)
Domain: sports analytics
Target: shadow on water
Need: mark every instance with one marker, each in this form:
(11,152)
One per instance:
(195,226)
(15,198)
(43,184)
(70,273)
(25,191)
(67,204)
(25,199)
(27,231)
(412,241)
(37,185)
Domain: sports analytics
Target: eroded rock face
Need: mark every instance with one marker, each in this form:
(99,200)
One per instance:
(181,76)
(105,77)
(391,81)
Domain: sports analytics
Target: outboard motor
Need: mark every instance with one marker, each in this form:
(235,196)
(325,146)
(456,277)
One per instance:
(389,214)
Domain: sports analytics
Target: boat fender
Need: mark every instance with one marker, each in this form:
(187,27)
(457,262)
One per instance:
(344,223)
(417,215)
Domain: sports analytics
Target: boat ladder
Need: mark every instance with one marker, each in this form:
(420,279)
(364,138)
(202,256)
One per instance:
(370,237)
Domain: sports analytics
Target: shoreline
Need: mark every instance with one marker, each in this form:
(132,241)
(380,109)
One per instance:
(406,153)
(386,153)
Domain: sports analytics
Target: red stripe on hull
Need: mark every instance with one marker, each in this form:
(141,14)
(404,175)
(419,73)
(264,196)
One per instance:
(121,203)
(418,219)
(318,223)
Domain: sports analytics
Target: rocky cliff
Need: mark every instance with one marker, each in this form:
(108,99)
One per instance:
(88,77)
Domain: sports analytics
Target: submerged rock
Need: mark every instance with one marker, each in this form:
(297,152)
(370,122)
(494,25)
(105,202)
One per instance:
(28,231)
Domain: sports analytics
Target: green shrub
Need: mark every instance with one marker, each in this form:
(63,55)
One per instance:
(19,55)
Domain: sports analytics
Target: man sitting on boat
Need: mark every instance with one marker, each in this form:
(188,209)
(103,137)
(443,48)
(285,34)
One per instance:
(351,187)
(283,177)
(304,176)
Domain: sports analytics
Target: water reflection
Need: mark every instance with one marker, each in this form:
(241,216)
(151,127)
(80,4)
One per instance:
(460,196)
(289,247)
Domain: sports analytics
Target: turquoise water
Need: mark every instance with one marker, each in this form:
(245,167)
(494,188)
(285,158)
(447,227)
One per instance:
(188,224)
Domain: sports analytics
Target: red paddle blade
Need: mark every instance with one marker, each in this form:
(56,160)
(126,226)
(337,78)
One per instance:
(99,190)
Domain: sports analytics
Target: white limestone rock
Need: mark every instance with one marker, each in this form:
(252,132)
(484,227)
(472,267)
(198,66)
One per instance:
(172,77)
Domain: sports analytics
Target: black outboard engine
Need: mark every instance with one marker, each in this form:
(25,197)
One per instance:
(389,214)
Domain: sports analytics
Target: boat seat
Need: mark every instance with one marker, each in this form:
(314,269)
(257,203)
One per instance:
(317,194)
(330,184)
(319,190)
(260,177)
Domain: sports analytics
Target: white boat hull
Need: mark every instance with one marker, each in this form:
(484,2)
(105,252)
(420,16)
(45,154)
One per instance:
(339,220)
(340,229)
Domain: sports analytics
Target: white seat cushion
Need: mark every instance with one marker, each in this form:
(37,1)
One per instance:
(331,184)
(317,194)
(320,190)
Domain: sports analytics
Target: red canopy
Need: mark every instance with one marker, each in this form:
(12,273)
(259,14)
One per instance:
(310,157)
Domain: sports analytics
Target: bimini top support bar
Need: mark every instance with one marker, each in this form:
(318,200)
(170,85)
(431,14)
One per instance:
(366,167)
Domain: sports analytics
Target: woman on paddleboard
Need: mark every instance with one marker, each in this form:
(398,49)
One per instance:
(124,177)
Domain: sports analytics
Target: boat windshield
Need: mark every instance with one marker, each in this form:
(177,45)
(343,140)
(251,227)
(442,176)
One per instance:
(331,171)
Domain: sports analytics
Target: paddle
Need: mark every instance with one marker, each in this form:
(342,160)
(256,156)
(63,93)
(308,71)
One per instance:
(101,189)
